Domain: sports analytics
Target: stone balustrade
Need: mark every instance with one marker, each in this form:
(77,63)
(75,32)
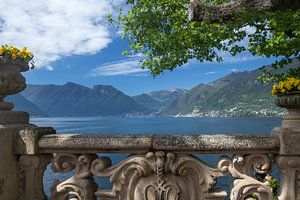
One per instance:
(159,167)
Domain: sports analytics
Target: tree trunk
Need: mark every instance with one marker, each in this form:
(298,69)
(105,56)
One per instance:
(199,11)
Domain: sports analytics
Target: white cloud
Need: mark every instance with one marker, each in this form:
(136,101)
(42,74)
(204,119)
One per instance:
(234,70)
(53,29)
(239,58)
(211,73)
(123,67)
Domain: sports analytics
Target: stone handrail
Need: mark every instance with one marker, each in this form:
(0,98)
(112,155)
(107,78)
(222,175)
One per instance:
(192,144)
(161,167)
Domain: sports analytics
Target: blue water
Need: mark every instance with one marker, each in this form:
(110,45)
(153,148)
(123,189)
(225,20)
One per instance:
(154,125)
(159,125)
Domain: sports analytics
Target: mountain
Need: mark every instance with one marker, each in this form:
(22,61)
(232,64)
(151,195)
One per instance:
(156,100)
(148,102)
(74,100)
(167,96)
(22,104)
(238,94)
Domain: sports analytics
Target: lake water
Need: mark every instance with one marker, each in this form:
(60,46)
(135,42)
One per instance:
(154,125)
(159,125)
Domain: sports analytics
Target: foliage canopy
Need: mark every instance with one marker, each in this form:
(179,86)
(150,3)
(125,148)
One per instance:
(160,30)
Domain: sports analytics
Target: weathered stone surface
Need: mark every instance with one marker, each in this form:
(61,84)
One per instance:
(289,140)
(95,143)
(216,143)
(144,143)
(26,140)
(32,170)
(9,173)
(289,176)
(11,118)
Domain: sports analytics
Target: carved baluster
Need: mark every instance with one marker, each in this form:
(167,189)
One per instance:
(158,176)
(32,168)
(245,186)
(81,186)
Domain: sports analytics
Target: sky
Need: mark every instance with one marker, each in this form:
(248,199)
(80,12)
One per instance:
(73,42)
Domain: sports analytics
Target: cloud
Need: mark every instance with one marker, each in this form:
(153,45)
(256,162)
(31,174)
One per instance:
(211,73)
(234,70)
(123,67)
(53,29)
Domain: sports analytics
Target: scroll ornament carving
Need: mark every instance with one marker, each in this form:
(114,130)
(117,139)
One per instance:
(160,176)
(157,176)
(244,186)
(81,186)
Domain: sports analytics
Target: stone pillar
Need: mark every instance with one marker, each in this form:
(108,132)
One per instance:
(21,165)
(288,159)
(9,170)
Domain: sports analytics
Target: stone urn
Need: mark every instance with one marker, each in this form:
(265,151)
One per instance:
(11,82)
(290,101)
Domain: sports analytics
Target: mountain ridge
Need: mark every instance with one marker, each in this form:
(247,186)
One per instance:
(72,100)
(234,95)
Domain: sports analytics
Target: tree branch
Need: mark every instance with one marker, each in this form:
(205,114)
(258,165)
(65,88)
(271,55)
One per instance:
(199,11)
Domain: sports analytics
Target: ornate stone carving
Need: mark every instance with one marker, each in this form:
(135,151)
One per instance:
(244,186)
(79,187)
(290,179)
(32,170)
(158,176)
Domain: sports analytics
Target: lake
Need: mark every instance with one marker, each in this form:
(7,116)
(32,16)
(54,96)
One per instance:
(154,125)
(159,125)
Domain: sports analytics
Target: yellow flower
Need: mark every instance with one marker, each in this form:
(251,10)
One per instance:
(14,56)
(274,90)
(288,85)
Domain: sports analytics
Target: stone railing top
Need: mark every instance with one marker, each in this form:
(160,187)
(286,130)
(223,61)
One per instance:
(143,143)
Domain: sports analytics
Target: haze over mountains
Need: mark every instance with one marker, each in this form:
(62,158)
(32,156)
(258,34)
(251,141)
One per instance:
(237,94)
